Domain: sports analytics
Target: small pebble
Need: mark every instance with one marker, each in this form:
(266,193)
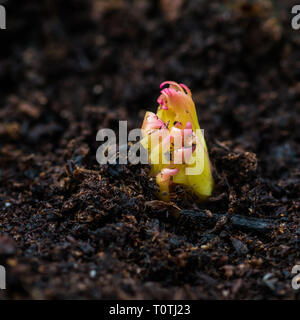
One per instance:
(93,273)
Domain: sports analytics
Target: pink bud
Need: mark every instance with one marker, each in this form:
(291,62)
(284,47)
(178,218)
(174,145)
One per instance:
(152,122)
(182,155)
(188,131)
(167,173)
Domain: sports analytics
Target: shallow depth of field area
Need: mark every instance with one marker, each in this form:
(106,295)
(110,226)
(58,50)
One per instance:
(70,228)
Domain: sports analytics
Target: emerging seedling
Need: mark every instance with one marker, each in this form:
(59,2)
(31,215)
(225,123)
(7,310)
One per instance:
(176,146)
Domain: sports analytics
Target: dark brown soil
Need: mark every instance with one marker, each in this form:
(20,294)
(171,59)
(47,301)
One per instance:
(72,229)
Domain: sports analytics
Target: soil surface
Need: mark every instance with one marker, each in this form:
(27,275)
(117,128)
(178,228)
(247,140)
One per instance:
(70,228)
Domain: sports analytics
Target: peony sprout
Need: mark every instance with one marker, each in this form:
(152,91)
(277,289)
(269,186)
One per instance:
(176,146)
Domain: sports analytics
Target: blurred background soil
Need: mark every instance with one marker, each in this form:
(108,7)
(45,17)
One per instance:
(72,229)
